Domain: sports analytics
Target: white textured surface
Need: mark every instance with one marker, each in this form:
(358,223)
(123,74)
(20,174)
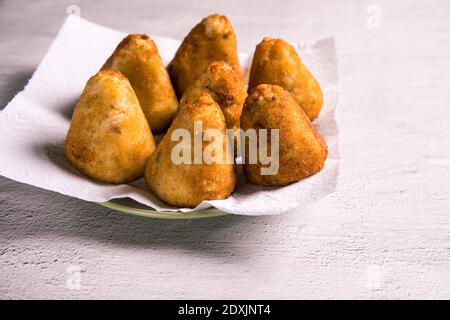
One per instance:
(385,232)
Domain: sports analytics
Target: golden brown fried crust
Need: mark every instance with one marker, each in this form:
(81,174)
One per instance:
(109,138)
(138,59)
(226,88)
(186,185)
(302,151)
(276,62)
(213,39)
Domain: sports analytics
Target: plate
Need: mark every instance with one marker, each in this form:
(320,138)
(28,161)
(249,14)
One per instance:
(133,207)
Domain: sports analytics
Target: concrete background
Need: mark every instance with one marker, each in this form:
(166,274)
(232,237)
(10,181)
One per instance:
(385,232)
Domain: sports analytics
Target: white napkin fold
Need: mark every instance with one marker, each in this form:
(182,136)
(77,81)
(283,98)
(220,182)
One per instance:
(34,124)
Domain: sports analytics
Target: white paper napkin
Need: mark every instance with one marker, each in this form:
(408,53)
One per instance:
(34,124)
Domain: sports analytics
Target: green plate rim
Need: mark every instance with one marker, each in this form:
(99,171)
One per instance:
(150,213)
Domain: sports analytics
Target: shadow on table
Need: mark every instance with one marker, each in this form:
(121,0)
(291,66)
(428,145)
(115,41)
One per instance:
(34,213)
(12,84)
